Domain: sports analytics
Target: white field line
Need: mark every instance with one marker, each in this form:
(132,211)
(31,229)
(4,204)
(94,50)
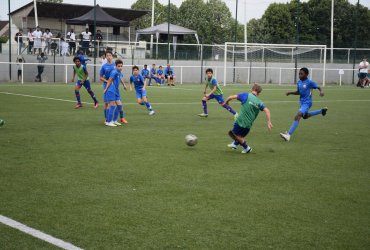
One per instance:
(37,234)
(178,103)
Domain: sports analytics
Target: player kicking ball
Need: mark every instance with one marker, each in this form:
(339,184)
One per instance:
(112,95)
(82,80)
(251,105)
(304,90)
(215,93)
(140,88)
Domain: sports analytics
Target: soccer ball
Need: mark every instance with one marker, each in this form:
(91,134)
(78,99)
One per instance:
(191,140)
(2,122)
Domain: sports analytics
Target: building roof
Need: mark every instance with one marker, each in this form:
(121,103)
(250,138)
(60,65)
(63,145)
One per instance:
(3,24)
(163,29)
(102,18)
(69,11)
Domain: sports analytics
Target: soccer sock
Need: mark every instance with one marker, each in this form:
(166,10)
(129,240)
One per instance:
(236,143)
(120,110)
(77,93)
(230,109)
(92,95)
(293,127)
(111,113)
(244,145)
(142,103)
(147,104)
(315,112)
(204,103)
(106,114)
(116,113)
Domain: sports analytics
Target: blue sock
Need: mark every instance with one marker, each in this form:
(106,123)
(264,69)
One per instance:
(92,95)
(230,109)
(105,114)
(236,143)
(78,97)
(147,104)
(120,110)
(116,113)
(244,145)
(315,112)
(293,127)
(204,103)
(111,113)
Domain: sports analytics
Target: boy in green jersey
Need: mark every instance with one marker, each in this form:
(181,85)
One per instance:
(82,80)
(216,93)
(251,105)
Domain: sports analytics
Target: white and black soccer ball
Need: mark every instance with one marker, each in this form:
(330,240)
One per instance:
(191,140)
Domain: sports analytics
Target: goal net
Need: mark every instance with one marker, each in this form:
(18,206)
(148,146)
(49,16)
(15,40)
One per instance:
(271,63)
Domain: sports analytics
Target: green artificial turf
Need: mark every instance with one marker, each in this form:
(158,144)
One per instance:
(140,187)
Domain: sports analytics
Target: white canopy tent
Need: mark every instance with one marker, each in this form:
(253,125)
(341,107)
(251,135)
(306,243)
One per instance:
(175,30)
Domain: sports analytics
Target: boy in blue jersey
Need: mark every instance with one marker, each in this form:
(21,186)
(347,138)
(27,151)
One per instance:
(304,90)
(153,75)
(104,76)
(251,105)
(215,93)
(82,57)
(160,75)
(82,80)
(169,74)
(145,73)
(113,96)
(140,88)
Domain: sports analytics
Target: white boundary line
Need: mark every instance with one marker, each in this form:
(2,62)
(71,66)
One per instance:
(37,234)
(177,103)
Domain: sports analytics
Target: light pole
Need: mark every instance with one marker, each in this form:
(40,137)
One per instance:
(235,36)
(151,36)
(168,31)
(355,43)
(332,32)
(245,31)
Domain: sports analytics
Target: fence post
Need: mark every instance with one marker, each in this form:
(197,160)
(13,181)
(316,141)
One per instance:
(225,64)
(349,52)
(181,74)
(22,72)
(66,70)
(280,76)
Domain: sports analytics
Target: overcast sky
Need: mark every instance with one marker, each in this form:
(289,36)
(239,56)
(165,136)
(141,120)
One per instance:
(254,8)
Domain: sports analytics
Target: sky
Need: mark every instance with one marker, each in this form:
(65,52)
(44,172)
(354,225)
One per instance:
(247,9)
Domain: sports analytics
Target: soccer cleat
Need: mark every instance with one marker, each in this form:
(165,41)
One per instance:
(247,150)
(78,105)
(232,146)
(151,112)
(323,111)
(124,121)
(117,123)
(236,116)
(110,124)
(96,105)
(203,115)
(285,136)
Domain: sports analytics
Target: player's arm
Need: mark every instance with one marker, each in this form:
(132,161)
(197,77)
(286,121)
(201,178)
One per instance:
(86,75)
(205,89)
(131,84)
(268,117)
(74,75)
(316,86)
(142,78)
(230,98)
(293,92)
(123,83)
(109,82)
(212,91)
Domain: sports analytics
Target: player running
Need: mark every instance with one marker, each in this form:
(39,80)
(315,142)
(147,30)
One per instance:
(215,93)
(140,88)
(251,105)
(82,80)
(304,90)
(112,95)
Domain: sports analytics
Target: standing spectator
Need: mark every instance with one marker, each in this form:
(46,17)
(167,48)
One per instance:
(363,68)
(47,37)
(19,39)
(99,37)
(30,40)
(20,60)
(169,73)
(37,35)
(103,59)
(71,35)
(64,47)
(40,67)
(86,37)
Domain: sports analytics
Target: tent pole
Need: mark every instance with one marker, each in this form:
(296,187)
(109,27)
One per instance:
(94,40)
(168,31)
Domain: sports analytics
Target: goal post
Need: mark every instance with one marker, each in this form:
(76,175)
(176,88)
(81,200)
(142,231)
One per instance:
(272,63)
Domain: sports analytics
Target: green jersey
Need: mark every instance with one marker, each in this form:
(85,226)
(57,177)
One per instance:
(80,72)
(213,82)
(251,106)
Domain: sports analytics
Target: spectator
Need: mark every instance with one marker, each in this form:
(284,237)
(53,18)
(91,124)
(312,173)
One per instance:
(64,47)
(40,67)
(19,39)
(103,60)
(363,71)
(160,75)
(30,40)
(37,35)
(20,60)
(47,37)
(145,73)
(169,74)
(86,37)
(71,36)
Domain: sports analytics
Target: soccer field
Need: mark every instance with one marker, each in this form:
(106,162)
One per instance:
(140,187)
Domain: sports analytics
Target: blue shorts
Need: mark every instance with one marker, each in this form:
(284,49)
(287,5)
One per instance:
(86,84)
(305,107)
(140,93)
(219,98)
(239,131)
(110,96)
(362,75)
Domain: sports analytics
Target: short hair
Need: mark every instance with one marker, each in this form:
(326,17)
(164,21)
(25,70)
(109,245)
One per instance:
(160,66)
(119,61)
(209,70)
(145,65)
(135,67)
(108,51)
(305,70)
(153,64)
(76,58)
(257,88)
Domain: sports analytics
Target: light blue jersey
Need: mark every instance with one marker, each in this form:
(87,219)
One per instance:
(116,75)
(305,90)
(138,81)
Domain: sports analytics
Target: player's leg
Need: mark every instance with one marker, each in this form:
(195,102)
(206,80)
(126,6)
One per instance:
(303,110)
(204,104)
(87,86)
(139,97)
(112,108)
(221,101)
(121,112)
(238,134)
(173,78)
(147,103)
(309,114)
(78,86)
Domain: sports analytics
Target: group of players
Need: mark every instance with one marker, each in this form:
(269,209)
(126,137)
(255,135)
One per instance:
(111,76)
